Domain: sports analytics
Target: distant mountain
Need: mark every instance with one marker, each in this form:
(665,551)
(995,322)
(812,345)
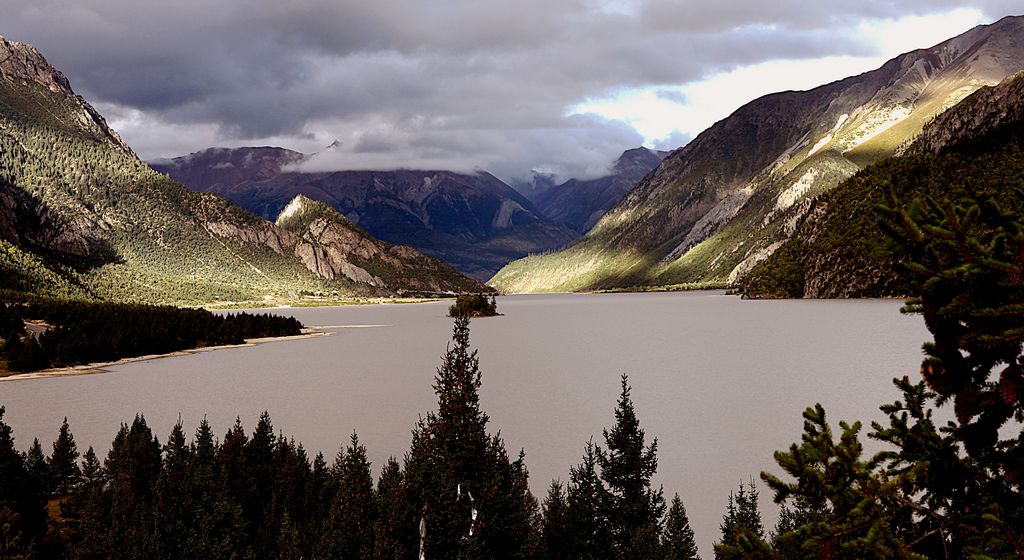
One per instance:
(838,249)
(578,204)
(82,216)
(333,247)
(731,197)
(475,222)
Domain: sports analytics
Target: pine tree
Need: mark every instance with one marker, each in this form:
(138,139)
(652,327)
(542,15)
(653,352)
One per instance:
(741,523)
(556,533)
(89,506)
(133,467)
(174,513)
(22,517)
(349,532)
(218,530)
(586,514)
(469,497)
(392,524)
(627,465)
(679,542)
(39,468)
(64,461)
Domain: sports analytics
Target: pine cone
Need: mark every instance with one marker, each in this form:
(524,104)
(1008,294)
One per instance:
(1010,386)
(966,406)
(934,378)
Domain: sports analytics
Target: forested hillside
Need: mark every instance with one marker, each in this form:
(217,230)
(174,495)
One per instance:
(840,250)
(82,216)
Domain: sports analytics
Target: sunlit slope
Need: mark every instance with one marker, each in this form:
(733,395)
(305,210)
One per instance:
(731,197)
(838,250)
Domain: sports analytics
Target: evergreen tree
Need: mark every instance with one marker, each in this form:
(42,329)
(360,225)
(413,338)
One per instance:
(556,535)
(679,542)
(792,517)
(349,532)
(258,474)
(471,500)
(393,525)
(217,530)
(64,461)
(635,510)
(90,508)
(38,468)
(741,523)
(174,513)
(586,509)
(133,467)
(22,517)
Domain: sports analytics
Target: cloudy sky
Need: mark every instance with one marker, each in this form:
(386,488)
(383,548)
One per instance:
(560,86)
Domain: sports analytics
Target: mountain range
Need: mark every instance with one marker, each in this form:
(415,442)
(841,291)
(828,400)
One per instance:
(82,216)
(475,222)
(730,198)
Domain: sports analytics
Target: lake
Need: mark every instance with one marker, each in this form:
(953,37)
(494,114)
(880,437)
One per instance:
(721,382)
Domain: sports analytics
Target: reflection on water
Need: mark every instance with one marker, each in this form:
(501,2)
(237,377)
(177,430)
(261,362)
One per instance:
(719,381)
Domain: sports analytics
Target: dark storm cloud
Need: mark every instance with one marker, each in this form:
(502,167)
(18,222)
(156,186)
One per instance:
(462,82)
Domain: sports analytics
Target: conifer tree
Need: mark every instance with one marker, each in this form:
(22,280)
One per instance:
(556,534)
(218,530)
(38,468)
(741,523)
(349,532)
(64,461)
(174,513)
(133,466)
(22,517)
(679,542)
(587,509)
(461,486)
(90,509)
(627,465)
(393,525)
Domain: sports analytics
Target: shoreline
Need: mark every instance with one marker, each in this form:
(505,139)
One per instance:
(102,367)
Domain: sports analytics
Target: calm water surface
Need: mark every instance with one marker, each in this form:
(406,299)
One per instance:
(719,381)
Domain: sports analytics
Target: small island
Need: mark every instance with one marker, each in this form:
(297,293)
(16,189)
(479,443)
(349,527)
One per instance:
(474,305)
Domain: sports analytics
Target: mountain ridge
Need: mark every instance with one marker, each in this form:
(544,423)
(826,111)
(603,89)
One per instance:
(730,198)
(476,223)
(82,216)
(838,250)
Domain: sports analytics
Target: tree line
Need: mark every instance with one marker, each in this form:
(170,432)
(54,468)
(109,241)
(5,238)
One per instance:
(77,332)
(457,493)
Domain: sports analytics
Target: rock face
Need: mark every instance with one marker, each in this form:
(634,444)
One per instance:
(331,245)
(715,208)
(81,215)
(578,204)
(476,222)
(838,249)
(20,62)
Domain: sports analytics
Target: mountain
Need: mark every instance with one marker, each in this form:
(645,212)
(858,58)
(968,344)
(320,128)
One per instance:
(474,222)
(839,250)
(82,216)
(578,204)
(731,197)
(333,247)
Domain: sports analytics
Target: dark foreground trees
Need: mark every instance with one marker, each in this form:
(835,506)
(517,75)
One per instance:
(953,490)
(457,494)
(609,509)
